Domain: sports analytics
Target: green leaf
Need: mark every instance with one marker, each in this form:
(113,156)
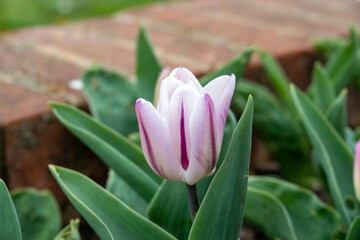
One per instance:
(272,217)
(110,218)
(354,231)
(328,46)
(78,121)
(111,99)
(170,210)
(38,213)
(169,207)
(115,150)
(276,76)
(307,217)
(122,190)
(341,64)
(10,226)
(334,156)
(350,139)
(147,67)
(357,133)
(236,66)
(337,113)
(70,232)
(269,114)
(280,131)
(230,125)
(221,212)
(321,89)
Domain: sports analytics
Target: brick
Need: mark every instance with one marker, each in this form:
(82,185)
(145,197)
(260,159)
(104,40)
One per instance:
(33,138)
(340,12)
(26,66)
(18,103)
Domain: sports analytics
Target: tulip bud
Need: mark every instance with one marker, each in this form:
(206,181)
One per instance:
(181,139)
(356,171)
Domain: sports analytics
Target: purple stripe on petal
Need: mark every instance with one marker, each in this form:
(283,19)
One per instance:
(210,107)
(149,149)
(184,157)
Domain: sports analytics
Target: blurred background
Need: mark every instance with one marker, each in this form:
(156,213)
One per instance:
(18,13)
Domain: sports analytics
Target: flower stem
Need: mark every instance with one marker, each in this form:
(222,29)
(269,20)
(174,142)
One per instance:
(193,200)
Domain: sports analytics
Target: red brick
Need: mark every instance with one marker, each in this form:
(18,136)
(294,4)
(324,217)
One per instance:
(266,15)
(26,66)
(34,138)
(18,103)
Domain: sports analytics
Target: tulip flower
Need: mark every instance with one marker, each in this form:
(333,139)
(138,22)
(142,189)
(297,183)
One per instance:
(182,137)
(356,171)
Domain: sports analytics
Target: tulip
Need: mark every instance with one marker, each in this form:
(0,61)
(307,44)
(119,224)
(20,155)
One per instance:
(356,171)
(182,137)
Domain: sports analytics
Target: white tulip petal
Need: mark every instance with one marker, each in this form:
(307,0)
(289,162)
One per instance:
(184,75)
(167,88)
(181,105)
(221,90)
(203,136)
(156,142)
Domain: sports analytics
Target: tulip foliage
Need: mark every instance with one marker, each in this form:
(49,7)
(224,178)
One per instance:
(317,120)
(299,123)
(166,129)
(8,216)
(28,214)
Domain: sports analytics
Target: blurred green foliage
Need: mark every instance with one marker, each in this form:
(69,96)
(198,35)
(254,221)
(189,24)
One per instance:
(18,13)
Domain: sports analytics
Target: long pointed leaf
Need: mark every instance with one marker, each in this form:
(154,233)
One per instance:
(147,66)
(221,212)
(108,216)
(72,118)
(10,226)
(321,89)
(266,206)
(334,156)
(276,75)
(354,231)
(103,142)
(307,215)
(327,46)
(341,63)
(170,210)
(337,113)
(124,191)
(279,129)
